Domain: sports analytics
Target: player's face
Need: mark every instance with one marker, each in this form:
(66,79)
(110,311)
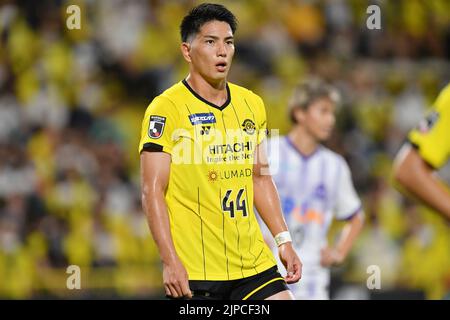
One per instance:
(211,51)
(319,118)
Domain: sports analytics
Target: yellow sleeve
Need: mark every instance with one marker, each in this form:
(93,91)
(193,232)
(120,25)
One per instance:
(261,119)
(158,126)
(432,136)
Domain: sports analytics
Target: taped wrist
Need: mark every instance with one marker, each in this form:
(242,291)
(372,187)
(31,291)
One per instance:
(283,237)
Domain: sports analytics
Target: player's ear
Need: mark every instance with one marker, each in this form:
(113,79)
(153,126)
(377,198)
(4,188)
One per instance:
(299,115)
(186,51)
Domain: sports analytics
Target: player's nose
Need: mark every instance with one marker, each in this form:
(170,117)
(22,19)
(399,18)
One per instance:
(221,50)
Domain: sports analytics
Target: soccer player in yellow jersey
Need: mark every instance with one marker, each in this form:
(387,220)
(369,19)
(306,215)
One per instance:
(428,150)
(203,170)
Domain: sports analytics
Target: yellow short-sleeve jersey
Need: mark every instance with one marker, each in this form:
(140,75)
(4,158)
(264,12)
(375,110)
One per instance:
(210,191)
(432,135)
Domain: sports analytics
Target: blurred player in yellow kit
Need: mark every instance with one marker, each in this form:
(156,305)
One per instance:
(427,150)
(201,177)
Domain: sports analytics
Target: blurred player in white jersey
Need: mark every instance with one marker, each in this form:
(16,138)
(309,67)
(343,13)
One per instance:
(315,187)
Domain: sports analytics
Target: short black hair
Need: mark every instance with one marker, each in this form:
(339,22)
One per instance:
(202,14)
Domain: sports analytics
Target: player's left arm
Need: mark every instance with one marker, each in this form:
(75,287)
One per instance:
(267,203)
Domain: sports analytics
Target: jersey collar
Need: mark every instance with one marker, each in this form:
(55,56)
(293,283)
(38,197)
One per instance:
(206,101)
(304,157)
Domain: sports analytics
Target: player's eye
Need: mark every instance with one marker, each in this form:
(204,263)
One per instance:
(230,42)
(324,109)
(209,41)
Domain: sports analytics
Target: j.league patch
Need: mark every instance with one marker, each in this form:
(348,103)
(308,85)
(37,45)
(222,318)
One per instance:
(156,127)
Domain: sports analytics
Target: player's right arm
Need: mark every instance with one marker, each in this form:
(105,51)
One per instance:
(155,148)
(155,169)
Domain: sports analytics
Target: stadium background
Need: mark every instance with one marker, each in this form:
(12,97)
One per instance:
(71,103)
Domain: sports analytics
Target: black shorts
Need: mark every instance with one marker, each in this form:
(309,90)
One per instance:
(257,287)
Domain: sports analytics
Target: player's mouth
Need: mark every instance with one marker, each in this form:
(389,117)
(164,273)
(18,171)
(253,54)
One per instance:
(221,66)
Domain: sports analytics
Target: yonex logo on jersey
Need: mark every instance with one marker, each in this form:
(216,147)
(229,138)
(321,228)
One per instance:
(156,127)
(202,118)
(205,130)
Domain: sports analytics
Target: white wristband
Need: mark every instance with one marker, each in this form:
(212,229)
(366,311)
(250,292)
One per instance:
(283,237)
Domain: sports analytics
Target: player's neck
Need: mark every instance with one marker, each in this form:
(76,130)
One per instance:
(303,141)
(212,92)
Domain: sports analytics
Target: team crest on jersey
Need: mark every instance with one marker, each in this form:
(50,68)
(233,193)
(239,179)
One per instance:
(426,124)
(156,127)
(202,118)
(248,126)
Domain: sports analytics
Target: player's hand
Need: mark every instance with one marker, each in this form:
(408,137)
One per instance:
(330,256)
(176,280)
(291,262)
